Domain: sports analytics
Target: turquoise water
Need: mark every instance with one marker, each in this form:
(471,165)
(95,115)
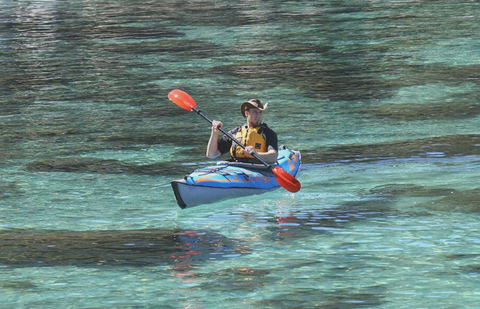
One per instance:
(381,98)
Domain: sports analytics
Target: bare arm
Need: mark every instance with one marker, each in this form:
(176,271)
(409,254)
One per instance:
(270,156)
(212,147)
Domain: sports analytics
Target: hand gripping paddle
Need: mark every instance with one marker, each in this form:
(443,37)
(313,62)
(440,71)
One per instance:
(185,101)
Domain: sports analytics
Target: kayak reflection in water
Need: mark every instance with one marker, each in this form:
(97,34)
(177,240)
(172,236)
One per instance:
(255,135)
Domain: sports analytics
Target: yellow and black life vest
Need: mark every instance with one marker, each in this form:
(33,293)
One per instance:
(249,137)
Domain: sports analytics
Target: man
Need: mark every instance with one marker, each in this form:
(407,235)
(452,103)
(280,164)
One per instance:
(256,136)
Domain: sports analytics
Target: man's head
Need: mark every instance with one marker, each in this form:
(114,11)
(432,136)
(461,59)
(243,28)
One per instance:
(253,103)
(253,111)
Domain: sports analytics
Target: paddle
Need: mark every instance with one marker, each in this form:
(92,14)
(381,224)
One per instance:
(185,101)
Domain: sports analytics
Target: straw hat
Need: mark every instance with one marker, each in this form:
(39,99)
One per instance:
(252,103)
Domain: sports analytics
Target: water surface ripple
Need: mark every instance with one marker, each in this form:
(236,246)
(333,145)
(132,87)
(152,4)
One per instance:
(381,98)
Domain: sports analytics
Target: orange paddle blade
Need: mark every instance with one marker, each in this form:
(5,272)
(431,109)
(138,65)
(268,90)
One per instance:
(287,181)
(182,99)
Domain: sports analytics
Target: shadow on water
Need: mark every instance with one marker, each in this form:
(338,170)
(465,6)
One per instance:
(112,166)
(9,189)
(245,280)
(462,201)
(408,112)
(439,198)
(394,191)
(179,249)
(106,166)
(442,146)
(362,297)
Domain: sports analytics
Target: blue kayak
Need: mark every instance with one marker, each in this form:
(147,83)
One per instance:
(232,179)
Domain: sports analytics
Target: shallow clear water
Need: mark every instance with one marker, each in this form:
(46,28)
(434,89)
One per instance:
(381,98)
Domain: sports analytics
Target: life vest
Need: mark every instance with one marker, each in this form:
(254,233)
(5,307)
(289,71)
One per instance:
(249,137)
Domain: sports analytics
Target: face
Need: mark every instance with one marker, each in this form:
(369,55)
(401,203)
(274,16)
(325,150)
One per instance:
(254,117)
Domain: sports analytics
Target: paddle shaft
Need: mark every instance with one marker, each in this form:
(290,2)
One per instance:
(230,136)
